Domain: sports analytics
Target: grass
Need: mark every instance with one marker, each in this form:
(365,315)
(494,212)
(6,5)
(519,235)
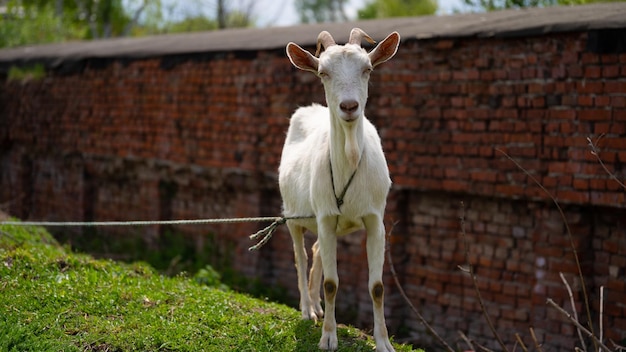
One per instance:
(24,74)
(56,300)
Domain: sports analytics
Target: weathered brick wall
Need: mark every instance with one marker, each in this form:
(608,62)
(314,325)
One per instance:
(201,136)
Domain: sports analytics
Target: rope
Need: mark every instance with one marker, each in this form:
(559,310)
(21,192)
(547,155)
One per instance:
(265,234)
(339,199)
(138,223)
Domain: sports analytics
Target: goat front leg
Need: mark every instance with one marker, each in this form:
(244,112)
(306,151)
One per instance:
(328,252)
(300,256)
(375,261)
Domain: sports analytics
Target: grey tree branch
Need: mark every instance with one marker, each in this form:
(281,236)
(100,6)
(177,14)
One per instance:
(406,298)
(471,272)
(577,324)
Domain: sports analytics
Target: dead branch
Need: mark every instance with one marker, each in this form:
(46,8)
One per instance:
(617,347)
(467,341)
(577,324)
(406,298)
(595,152)
(569,234)
(521,343)
(601,312)
(571,300)
(470,270)
(534,337)
(483,348)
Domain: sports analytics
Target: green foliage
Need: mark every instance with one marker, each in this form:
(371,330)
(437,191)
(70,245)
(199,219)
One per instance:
(23,25)
(47,21)
(321,10)
(397,8)
(192,24)
(44,21)
(493,5)
(24,74)
(54,300)
(209,277)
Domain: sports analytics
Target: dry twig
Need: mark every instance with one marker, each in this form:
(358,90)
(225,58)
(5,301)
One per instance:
(406,298)
(569,234)
(601,312)
(467,341)
(578,325)
(571,301)
(483,348)
(617,347)
(595,152)
(470,271)
(521,343)
(534,337)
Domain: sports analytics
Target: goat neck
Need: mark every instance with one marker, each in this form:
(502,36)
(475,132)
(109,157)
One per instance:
(346,146)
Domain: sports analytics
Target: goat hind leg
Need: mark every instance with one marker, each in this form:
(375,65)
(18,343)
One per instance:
(301,261)
(328,254)
(315,281)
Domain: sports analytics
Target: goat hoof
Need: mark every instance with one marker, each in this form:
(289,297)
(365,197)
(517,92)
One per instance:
(384,346)
(317,308)
(328,342)
(309,315)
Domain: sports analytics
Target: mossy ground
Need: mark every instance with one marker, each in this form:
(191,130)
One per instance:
(55,300)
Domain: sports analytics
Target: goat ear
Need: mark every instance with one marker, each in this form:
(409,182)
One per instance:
(301,58)
(385,50)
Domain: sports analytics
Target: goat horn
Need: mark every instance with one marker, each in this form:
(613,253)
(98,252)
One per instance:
(357,35)
(325,40)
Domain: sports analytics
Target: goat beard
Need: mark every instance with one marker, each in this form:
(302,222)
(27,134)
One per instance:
(352,150)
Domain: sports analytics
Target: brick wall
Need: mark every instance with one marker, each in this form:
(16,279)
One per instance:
(200,137)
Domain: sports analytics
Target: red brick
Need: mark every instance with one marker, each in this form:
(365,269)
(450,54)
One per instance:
(573,196)
(590,58)
(444,44)
(614,87)
(618,102)
(593,72)
(585,100)
(595,115)
(611,71)
(564,114)
(581,184)
(614,143)
(594,87)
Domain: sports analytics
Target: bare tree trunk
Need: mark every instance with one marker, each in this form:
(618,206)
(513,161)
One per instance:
(134,20)
(92,23)
(58,8)
(221,14)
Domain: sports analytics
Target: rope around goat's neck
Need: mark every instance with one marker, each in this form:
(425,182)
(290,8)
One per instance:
(339,199)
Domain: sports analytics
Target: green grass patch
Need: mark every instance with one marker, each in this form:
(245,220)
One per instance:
(23,74)
(172,253)
(56,300)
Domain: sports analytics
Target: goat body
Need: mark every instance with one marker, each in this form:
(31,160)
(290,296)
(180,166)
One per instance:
(333,167)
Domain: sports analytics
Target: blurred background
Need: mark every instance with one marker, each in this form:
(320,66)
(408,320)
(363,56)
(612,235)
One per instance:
(24,22)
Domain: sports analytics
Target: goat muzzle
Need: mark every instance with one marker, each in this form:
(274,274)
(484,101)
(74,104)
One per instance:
(349,106)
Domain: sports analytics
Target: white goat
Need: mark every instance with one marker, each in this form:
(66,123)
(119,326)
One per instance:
(333,167)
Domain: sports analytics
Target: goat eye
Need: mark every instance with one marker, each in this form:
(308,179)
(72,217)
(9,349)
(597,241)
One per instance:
(323,74)
(367,71)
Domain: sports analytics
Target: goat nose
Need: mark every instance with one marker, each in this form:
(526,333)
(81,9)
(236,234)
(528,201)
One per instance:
(349,106)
